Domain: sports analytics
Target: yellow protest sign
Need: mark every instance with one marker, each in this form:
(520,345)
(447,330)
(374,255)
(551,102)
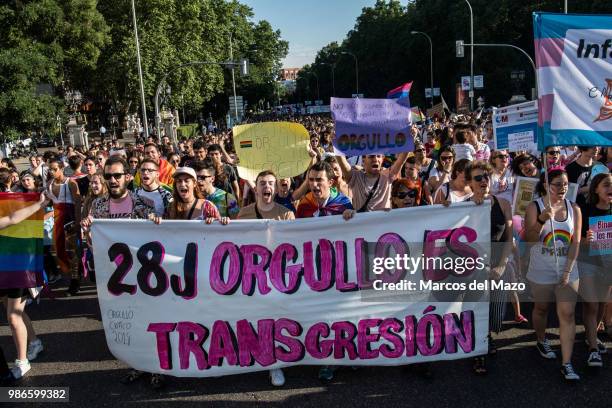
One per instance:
(277,146)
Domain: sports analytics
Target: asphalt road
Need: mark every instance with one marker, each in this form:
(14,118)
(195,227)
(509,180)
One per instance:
(76,356)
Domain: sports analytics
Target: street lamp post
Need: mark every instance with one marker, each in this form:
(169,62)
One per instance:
(142,94)
(356,69)
(227,64)
(471,56)
(430,63)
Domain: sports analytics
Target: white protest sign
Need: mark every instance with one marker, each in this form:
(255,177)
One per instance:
(519,123)
(522,141)
(193,300)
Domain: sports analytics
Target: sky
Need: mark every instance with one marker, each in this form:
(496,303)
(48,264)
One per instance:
(308,25)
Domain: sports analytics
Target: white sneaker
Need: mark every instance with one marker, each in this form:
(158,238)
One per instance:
(277,377)
(34,348)
(21,368)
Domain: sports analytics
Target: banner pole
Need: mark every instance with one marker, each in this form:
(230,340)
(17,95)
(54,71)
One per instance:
(552,225)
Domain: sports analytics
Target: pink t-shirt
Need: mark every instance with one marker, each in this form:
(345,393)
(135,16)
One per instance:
(121,209)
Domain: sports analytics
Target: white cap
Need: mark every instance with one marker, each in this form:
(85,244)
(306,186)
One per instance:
(185,170)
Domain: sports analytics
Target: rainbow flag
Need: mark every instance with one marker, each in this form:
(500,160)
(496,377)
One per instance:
(21,245)
(400,92)
(166,175)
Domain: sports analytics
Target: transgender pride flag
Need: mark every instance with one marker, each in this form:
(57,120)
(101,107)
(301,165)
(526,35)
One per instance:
(21,245)
(574,61)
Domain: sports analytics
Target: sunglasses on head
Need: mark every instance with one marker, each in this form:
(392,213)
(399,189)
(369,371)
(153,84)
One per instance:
(402,195)
(481,177)
(116,176)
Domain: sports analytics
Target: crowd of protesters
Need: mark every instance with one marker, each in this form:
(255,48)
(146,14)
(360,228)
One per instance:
(452,161)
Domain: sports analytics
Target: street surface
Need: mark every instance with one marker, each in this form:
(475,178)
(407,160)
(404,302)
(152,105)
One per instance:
(76,356)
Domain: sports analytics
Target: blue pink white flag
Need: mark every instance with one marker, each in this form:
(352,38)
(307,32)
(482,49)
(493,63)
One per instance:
(574,61)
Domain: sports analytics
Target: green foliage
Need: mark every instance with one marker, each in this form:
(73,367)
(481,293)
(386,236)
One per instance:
(389,55)
(44,42)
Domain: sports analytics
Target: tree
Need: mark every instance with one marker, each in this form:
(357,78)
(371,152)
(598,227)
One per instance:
(46,46)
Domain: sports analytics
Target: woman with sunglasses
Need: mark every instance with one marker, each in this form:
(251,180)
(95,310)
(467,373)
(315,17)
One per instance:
(440,174)
(405,193)
(134,163)
(502,180)
(553,225)
(595,275)
(457,189)
(478,176)
(553,156)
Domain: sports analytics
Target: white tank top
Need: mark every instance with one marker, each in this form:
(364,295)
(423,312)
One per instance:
(450,195)
(64,196)
(542,258)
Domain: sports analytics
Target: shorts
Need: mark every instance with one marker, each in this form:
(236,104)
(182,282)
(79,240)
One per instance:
(15,293)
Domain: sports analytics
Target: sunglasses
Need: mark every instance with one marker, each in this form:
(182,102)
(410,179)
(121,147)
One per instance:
(501,156)
(419,150)
(411,194)
(554,152)
(559,185)
(481,177)
(116,176)
(203,178)
(133,161)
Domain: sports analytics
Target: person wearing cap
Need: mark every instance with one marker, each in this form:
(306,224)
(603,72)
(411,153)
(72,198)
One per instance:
(189,202)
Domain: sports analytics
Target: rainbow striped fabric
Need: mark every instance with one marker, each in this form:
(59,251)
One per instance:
(21,245)
(573,54)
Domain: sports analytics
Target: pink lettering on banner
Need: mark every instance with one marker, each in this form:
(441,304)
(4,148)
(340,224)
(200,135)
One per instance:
(256,346)
(314,346)
(222,252)
(162,335)
(452,241)
(222,345)
(279,270)
(294,350)
(342,283)
(389,331)
(280,340)
(256,260)
(361,262)
(324,265)
(382,251)
(191,337)
(344,336)
(365,337)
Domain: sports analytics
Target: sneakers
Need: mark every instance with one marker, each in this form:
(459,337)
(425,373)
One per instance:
(21,368)
(594,359)
(277,377)
(600,346)
(34,348)
(520,319)
(545,350)
(568,372)
(74,287)
(326,374)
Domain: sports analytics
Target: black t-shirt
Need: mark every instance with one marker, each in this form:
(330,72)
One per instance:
(591,211)
(580,175)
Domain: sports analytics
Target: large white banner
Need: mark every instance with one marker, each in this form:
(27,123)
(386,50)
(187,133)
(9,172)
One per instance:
(194,300)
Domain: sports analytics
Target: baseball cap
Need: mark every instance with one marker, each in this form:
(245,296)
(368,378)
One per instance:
(185,170)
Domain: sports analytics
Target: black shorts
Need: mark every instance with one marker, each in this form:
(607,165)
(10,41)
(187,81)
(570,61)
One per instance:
(14,293)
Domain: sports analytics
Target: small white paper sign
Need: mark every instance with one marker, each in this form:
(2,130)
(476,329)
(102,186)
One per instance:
(521,141)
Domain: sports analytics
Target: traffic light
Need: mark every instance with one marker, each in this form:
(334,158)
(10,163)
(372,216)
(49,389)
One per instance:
(459,47)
